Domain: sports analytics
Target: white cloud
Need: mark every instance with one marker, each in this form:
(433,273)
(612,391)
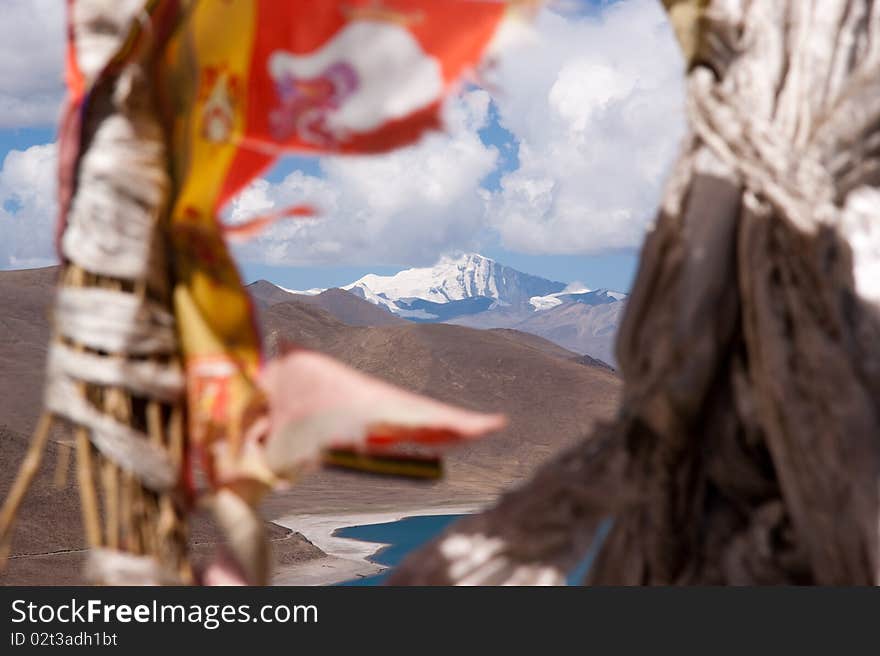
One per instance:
(597,107)
(28,207)
(32,38)
(403,207)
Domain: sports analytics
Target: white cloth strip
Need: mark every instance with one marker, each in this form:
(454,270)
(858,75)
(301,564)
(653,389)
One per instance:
(137,141)
(113,321)
(129,449)
(111,567)
(111,226)
(861,228)
(99,28)
(161,381)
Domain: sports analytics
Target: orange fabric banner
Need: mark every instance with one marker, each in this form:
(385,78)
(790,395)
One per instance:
(248,80)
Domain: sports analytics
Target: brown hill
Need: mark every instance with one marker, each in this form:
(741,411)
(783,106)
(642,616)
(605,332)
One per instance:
(305,324)
(579,327)
(351,310)
(591,361)
(536,342)
(25,299)
(346,307)
(264,293)
(588,329)
(550,399)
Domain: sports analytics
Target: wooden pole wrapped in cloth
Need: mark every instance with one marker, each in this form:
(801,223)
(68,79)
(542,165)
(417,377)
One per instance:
(174,106)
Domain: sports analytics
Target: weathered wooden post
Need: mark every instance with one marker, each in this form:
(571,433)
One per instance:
(113,366)
(747,449)
(155,358)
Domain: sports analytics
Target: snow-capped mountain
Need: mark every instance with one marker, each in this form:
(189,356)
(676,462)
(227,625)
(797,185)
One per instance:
(455,286)
(472,290)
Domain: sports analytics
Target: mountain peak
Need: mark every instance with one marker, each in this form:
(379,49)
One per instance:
(471,289)
(465,259)
(454,278)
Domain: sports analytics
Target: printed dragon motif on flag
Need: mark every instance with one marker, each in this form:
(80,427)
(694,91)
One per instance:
(305,104)
(341,88)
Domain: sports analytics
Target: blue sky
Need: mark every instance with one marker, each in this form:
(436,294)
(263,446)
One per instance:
(614,269)
(556,174)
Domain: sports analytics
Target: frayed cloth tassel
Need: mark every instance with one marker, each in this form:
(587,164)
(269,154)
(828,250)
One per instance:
(113,567)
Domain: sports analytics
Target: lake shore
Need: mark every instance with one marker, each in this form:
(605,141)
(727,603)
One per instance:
(346,558)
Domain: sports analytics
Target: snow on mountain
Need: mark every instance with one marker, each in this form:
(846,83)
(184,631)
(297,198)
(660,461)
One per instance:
(453,279)
(471,285)
(465,284)
(359,289)
(552,300)
(314,291)
(584,296)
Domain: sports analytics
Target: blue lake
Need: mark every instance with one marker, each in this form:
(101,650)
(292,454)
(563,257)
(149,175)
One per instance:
(401,536)
(409,533)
